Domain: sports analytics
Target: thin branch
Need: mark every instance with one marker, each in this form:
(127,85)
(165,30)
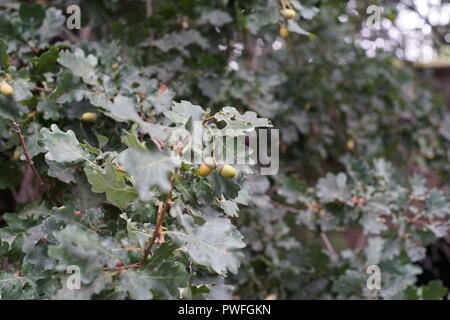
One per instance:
(327,243)
(158,143)
(148,13)
(284,207)
(29,160)
(43,89)
(120,267)
(149,8)
(208,118)
(162,210)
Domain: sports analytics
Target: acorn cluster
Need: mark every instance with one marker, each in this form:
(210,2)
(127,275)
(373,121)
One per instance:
(209,164)
(287,14)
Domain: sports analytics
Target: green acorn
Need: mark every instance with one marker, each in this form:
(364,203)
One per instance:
(288,13)
(6,89)
(89,117)
(226,170)
(208,165)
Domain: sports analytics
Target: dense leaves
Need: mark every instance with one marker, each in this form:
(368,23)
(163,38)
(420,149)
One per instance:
(122,199)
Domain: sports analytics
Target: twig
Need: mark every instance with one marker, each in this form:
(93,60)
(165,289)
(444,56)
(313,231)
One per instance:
(148,13)
(360,241)
(158,143)
(284,207)
(43,89)
(208,118)
(149,8)
(327,243)
(29,160)
(162,210)
(120,268)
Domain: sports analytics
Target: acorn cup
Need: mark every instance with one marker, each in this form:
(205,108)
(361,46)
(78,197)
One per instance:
(226,170)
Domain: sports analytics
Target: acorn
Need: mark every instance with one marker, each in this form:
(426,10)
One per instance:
(288,13)
(284,32)
(226,170)
(350,144)
(207,166)
(6,89)
(89,117)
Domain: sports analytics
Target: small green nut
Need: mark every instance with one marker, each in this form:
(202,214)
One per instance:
(284,32)
(6,89)
(288,13)
(89,117)
(208,165)
(226,170)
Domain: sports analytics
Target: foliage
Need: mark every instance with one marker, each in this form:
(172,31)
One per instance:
(146,75)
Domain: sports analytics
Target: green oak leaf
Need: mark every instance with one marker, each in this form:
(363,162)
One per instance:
(86,291)
(131,139)
(80,65)
(123,109)
(22,88)
(213,244)
(183,111)
(148,169)
(111,182)
(85,249)
(15,287)
(61,172)
(61,146)
(332,187)
(46,62)
(434,290)
(229,207)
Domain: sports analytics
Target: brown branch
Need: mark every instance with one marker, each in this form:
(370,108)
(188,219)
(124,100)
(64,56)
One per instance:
(43,89)
(148,13)
(208,118)
(29,160)
(327,243)
(120,267)
(158,143)
(162,210)
(149,8)
(286,208)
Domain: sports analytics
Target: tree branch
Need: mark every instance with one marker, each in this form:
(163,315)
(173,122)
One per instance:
(162,210)
(29,160)
(327,243)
